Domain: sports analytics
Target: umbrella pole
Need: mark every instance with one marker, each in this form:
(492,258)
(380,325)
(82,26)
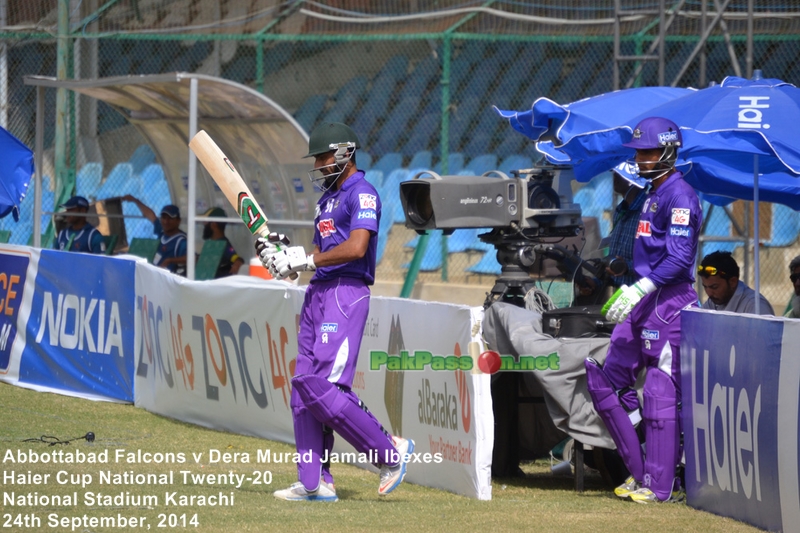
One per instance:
(756,247)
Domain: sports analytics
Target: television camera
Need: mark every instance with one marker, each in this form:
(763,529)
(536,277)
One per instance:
(530,218)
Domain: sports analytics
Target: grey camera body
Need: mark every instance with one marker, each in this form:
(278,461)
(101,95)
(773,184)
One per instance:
(538,198)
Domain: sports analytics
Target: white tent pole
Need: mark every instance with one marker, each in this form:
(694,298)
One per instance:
(756,247)
(190,230)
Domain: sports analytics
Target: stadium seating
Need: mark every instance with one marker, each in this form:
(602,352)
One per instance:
(311,109)
(515,162)
(119,182)
(422,160)
(88,179)
(364,160)
(481,163)
(421,134)
(141,158)
(487,266)
(432,257)
(145,248)
(455,164)
(785,226)
(396,124)
(388,163)
(716,224)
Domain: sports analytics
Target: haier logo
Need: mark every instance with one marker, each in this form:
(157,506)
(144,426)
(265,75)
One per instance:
(725,430)
(650,334)
(751,115)
(680,232)
(329,327)
(370,215)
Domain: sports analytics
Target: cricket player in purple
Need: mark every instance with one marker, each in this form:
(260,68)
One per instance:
(332,320)
(648,315)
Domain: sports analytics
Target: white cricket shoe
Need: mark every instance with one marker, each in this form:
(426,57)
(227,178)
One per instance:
(326,492)
(392,476)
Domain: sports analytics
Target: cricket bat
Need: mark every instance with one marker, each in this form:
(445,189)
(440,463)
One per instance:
(231,184)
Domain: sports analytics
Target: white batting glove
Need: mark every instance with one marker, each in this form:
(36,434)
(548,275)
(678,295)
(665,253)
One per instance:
(274,243)
(625,299)
(289,261)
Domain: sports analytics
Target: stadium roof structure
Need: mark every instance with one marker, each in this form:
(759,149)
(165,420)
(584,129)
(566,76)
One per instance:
(262,140)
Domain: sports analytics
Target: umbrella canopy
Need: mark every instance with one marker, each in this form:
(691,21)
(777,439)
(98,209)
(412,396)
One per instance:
(573,134)
(15,173)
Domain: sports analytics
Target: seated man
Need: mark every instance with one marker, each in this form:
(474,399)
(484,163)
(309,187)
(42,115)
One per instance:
(79,235)
(171,252)
(793,309)
(725,291)
(230,262)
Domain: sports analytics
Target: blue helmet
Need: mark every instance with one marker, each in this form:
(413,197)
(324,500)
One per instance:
(655,132)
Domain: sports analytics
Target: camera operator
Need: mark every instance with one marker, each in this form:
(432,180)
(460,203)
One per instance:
(626,219)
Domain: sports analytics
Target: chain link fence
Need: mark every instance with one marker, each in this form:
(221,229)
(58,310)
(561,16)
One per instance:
(417,81)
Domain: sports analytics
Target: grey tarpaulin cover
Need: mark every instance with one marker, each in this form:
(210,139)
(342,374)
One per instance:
(512,330)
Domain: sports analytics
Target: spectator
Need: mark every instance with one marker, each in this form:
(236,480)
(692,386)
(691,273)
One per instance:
(725,291)
(230,262)
(793,309)
(633,190)
(171,252)
(79,235)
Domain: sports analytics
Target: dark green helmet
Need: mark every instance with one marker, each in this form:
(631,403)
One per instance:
(328,135)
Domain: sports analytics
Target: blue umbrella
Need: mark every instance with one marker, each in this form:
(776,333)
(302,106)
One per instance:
(576,133)
(15,173)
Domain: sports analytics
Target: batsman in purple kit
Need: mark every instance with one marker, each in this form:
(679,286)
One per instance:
(648,317)
(332,320)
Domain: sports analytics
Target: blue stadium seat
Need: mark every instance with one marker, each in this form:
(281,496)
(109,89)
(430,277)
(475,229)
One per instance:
(118,182)
(421,78)
(488,265)
(88,179)
(481,163)
(466,240)
(388,163)
(432,258)
(364,160)
(384,229)
(375,177)
(422,160)
(347,99)
(785,226)
(421,134)
(394,70)
(480,80)
(309,112)
(513,143)
(455,164)
(390,195)
(515,162)
(396,123)
(716,224)
(142,157)
(462,120)
(477,142)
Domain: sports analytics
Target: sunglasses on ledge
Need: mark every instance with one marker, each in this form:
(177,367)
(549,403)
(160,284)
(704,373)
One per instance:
(709,271)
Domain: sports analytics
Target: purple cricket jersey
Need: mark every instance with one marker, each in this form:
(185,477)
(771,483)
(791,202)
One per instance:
(666,241)
(355,206)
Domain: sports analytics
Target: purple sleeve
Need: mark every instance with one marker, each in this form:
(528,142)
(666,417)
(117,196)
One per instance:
(365,207)
(682,224)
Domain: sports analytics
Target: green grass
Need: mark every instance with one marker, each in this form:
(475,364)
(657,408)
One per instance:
(540,502)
